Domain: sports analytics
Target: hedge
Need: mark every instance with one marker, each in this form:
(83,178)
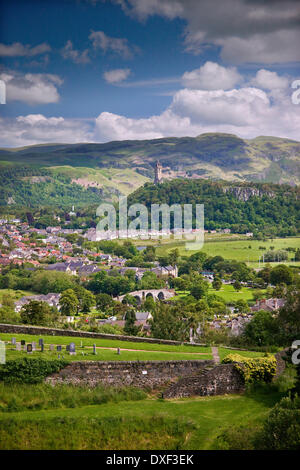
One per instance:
(30,371)
(253,369)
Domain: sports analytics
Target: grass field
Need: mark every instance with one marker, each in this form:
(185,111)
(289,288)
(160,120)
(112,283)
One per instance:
(106,349)
(149,423)
(230,247)
(229,294)
(15,294)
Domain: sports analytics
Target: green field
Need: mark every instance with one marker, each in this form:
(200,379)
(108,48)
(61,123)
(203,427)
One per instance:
(229,294)
(15,294)
(230,248)
(106,349)
(149,423)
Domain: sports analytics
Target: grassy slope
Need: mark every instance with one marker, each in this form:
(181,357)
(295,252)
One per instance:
(204,419)
(237,249)
(137,351)
(215,155)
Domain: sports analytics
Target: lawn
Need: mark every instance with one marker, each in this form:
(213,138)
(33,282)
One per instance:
(106,349)
(151,423)
(230,295)
(15,294)
(232,248)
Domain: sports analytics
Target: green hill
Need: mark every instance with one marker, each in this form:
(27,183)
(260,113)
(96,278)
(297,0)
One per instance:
(213,155)
(242,207)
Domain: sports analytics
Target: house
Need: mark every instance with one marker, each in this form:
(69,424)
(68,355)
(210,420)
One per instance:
(270,305)
(52,299)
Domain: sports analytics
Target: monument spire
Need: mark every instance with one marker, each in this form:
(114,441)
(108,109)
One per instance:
(158,172)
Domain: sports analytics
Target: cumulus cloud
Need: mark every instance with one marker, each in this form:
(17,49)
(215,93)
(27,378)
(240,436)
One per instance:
(270,80)
(106,43)
(211,76)
(68,52)
(38,129)
(116,75)
(31,88)
(19,50)
(245,30)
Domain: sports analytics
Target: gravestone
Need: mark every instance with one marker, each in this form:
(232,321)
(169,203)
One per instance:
(51,347)
(118,351)
(41,341)
(18,347)
(23,342)
(42,347)
(94,349)
(58,348)
(72,348)
(29,349)
(68,348)
(13,341)
(33,346)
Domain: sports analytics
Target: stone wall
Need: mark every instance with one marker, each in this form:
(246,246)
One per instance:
(41,330)
(175,378)
(142,374)
(218,380)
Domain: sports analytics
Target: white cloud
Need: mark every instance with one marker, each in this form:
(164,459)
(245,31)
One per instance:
(19,50)
(246,30)
(31,88)
(270,80)
(116,75)
(68,52)
(211,76)
(38,129)
(106,43)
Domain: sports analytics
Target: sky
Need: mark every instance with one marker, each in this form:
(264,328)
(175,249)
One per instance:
(102,70)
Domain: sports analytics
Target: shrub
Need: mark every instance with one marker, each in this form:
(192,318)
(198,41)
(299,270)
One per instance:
(260,369)
(30,371)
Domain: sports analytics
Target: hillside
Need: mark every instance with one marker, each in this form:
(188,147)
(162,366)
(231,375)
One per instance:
(242,207)
(215,156)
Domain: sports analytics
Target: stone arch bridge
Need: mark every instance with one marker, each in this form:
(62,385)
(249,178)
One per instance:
(156,294)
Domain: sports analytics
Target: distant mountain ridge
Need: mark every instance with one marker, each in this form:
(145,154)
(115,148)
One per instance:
(213,156)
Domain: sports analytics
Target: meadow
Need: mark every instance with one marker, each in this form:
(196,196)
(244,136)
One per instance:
(190,423)
(230,246)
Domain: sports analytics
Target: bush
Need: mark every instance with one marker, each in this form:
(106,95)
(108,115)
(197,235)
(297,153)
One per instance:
(260,369)
(29,371)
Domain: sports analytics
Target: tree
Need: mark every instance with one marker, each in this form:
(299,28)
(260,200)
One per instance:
(288,317)
(104,302)
(262,330)
(237,285)
(86,299)
(38,313)
(217,283)
(167,323)
(69,303)
(281,274)
(199,289)
(130,319)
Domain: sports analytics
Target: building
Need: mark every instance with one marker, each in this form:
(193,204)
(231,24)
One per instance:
(158,173)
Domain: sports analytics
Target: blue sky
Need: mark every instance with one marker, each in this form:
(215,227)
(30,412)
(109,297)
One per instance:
(96,70)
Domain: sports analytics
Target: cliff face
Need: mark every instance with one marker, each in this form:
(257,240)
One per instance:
(243,194)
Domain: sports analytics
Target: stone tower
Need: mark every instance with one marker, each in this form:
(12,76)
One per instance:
(158,172)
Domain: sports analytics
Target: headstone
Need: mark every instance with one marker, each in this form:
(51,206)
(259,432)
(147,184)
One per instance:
(42,347)
(18,347)
(68,348)
(72,348)
(29,348)
(23,342)
(58,356)
(118,351)
(41,341)
(94,349)
(13,341)
(58,348)
(51,347)
(33,346)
